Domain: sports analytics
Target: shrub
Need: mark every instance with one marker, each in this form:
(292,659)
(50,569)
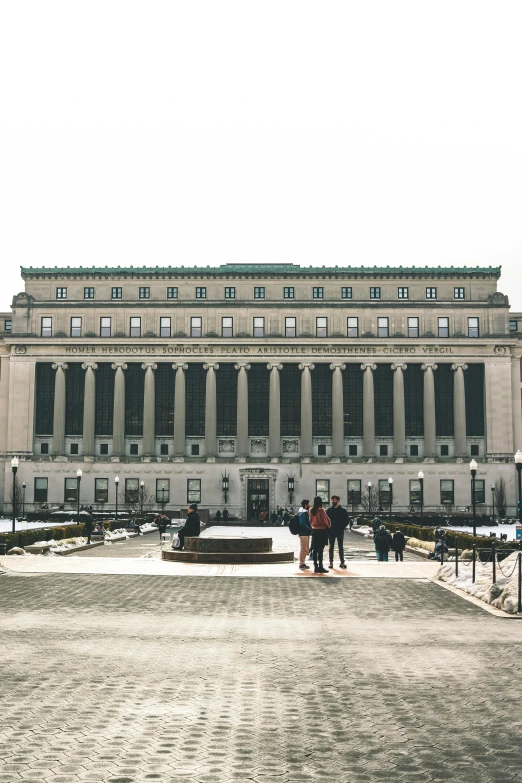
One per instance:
(10,539)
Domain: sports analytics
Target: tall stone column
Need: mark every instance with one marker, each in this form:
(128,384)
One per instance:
(59,409)
(517,403)
(306,409)
(274,422)
(118,419)
(368,410)
(89,408)
(210,409)
(337,410)
(399,414)
(149,409)
(179,409)
(430,423)
(459,410)
(242,447)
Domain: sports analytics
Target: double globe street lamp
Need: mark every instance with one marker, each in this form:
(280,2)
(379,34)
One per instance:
(420,476)
(116,487)
(473,468)
(518,464)
(14,468)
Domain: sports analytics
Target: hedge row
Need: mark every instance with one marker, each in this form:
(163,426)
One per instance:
(23,538)
(465,540)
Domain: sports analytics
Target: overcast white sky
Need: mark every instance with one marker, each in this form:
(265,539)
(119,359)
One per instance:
(197,133)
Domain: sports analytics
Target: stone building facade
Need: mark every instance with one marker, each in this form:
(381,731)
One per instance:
(268,377)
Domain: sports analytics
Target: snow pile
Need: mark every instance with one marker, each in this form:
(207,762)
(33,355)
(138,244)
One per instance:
(148,526)
(502,595)
(509,529)
(427,546)
(115,535)
(366,530)
(66,543)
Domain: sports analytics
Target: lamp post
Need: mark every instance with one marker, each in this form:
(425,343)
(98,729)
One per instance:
(390,485)
(420,476)
(225,482)
(142,499)
(369,498)
(493,501)
(291,487)
(24,485)
(78,480)
(473,468)
(14,468)
(116,487)
(518,463)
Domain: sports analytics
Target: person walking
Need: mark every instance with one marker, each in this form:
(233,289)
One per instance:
(338,517)
(88,524)
(161,521)
(399,545)
(192,526)
(383,544)
(305,531)
(218,516)
(225,514)
(320,526)
(286,517)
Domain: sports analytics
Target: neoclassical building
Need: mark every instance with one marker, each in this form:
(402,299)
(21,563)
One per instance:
(271,381)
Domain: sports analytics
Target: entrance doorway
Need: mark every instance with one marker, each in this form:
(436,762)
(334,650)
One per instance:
(257,498)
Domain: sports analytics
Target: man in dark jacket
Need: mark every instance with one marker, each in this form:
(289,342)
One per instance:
(161,521)
(192,526)
(399,545)
(338,516)
(383,543)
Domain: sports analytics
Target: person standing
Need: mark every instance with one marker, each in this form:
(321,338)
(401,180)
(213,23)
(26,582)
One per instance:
(383,543)
(192,526)
(286,517)
(305,531)
(161,521)
(218,516)
(88,525)
(399,545)
(225,514)
(338,517)
(320,527)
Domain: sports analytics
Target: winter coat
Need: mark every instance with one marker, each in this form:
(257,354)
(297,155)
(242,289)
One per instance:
(399,542)
(383,541)
(339,518)
(305,528)
(376,524)
(192,526)
(320,520)
(161,522)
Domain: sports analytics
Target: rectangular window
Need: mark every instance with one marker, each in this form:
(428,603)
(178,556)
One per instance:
(322,490)
(384,494)
(289,292)
(101,490)
(162,491)
(196,327)
(201,293)
(473,327)
(132,490)
(346,293)
(74,448)
(318,292)
(413,327)
(230,293)
(414,450)
(134,449)
(88,293)
(135,327)
(71,490)
(443,327)
(259,327)
(353,327)
(321,327)
(40,490)
(44,448)
(474,450)
(259,292)
(227,327)
(383,450)
(375,292)
(513,326)
(76,327)
(165,327)
(193,490)
(46,327)
(431,293)
(415,492)
(61,293)
(480,491)
(321,450)
(8,326)
(172,292)
(105,326)
(164,449)
(144,292)
(194,449)
(403,293)
(354,491)
(290,327)
(458,293)
(353,450)
(383,328)
(447,493)
(116,293)
(444,450)
(104,449)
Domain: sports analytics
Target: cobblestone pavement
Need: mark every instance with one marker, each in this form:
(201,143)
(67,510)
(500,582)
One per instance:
(124,679)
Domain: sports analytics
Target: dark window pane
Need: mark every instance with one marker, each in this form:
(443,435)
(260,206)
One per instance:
(104,399)
(195,399)
(44,399)
(383,386)
(414,400)
(134,390)
(258,397)
(75,386)
(353,400)
(164,399)
(322,400)
(474,388)
(444,400)
(226,404)
(290,385)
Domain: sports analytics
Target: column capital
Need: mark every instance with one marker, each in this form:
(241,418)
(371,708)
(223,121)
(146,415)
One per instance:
(337,365)
(274,366)
(180,366)
(89,365)
(211,366)
(368,366)
(459,366)
(60,365)
(242,365)
(306,366)
(119,366)
(429,366)
(398,367)
(149,365)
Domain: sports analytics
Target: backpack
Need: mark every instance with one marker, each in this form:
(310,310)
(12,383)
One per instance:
(294,526)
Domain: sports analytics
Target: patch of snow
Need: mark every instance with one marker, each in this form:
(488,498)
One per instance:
(509,530)
(502,595)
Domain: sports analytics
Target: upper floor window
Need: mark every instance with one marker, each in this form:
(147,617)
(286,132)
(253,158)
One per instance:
(413,327)
(201,293)
(172,292)
(165,328)
(473,327)
(230,293)
(346,292)
(353,327)
(61,293)
(513,326)
(431,293)
(116,293)
(404,293)
(321,327)
(8,326)
(383,327)
(40,490)
(227,327)
(105,326)
(375,292)
(88,293)
(135,327)
(46,329)
(144,292)
(290,327)
(318,292)
(259,292)
(458,293)
(76,327)
(196,327)
(259,327)
(447,492)
(289,292)
(443,324)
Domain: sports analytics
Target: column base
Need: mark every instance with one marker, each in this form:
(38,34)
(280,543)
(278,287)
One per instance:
(305,459)
(178,458)
(210,459)
(334,459)
(61,458)
(89,458)
(399,460)
(115,458)
(239,459)
(274,459)
(146,458)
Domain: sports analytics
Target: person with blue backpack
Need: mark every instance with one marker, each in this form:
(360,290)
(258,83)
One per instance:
(305,531)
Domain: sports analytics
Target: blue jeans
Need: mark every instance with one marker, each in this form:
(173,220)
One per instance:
(383,556)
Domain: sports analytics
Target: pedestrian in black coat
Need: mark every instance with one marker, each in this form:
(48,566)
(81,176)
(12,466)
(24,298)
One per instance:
(192,526)
(383,543)
(399,545)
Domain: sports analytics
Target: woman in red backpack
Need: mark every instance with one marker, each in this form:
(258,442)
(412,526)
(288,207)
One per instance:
(320,527)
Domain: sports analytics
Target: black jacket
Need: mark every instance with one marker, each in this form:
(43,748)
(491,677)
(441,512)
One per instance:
(161,522)
(192,526)
(383,541)
(399,542)
(339,518)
